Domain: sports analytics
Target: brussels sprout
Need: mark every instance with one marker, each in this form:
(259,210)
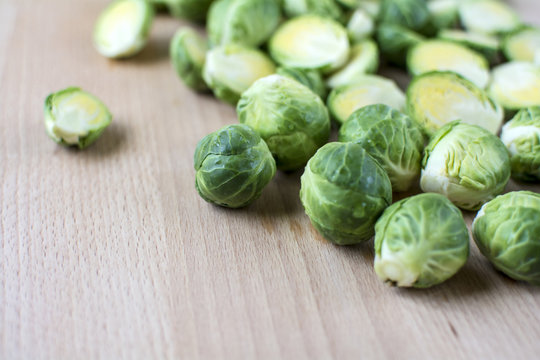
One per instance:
(411,14)
(123,27)
(523,45)
(310,42)
(466,163)
(515,85)
(232,166)
(420,241)
(437,98)
(73,117)
(391,138)
(521,135)
(367,90)
(188,52)
(444,13)
(364,59)
(326,8)
(507,232)
(310,78)
(344,190)
(230,70)
(195,10)
(360,26)
(372,7)
(487,45)
(488,16)
(246,22)
(290,117)
(441,55)
(395,42)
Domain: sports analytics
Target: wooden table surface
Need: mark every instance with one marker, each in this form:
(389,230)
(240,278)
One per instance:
(110,253)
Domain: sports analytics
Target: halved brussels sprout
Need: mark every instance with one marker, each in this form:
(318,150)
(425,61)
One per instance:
(326,8)
(360,26)
(366,90)
(310,42)
(515,85)
(188,52)
(444,13)
(521,135)
(364,59)
(230,70)
(310,78)
(74,117)
(466,163)
(420,241)
(232,166)
(437,98)
(123,27)
(507,230)
(488,16)
(344,190)
(486,45)
(395,42)
(441,55)
(195,10)
(411,14)
(290,117)
(392,138)
(246,22)
(523,45)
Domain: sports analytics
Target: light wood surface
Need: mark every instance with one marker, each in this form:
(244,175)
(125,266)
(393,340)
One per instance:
(110,253)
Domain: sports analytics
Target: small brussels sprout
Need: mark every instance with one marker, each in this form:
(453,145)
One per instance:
(444,13)
(523,45)
(515,85)
(123,27)
(411,14)
(310,78)
(326,8)
(487,45)
(195,10)
(367,90)
(230,70)
(310,42)
(73,117)
(466,163)
(372,7)
(441,55)
(232,166)
(488,16)
(188,52)
(420,241)
(437,98)
(246,22)
(290,117)
(360,26)
(344,190)
(364,59)
(521,135)
(395,42)
(507,230)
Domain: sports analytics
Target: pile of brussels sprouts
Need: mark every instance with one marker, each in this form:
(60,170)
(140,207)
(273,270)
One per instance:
(292,67)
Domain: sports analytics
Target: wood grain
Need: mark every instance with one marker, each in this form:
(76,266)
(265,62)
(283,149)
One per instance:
(109,253)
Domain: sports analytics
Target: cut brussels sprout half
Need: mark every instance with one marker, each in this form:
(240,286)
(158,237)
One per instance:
(515,85)
(326,8)
(360,26)
(420,241)
(466,163)
(188,52)
(444,13)
(521,135)
(523,45)
(507,230)
(310,78)
(395,41)
(487,45)
(230,70)
(232,166)
(195,10)
(488,16)
(364,59)
(123,27)
(411,14)
(367,90)
(290,117)
(437,98)
(310,42)
(73,117)
(392,138)
(344,191)
(441,55)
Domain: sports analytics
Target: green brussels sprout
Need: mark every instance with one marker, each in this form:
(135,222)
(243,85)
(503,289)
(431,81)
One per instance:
(364,59)
(188,52)
(441,55)
(310,78)
(507,231)
(344,190)
(246,22)
(367,90)
(521,135)
(73,117)
(123,27)
(523,45)
(395,41)
(372,7)
(515,85)
(487,45)
(229,70)
(466,163)
(310,42)
(326,8)
(437,98)
(391,138)
(195,10)
(443,13)
(488,16)
(232,166)
(411,14)
(290,117)
(420,241)
(360,26)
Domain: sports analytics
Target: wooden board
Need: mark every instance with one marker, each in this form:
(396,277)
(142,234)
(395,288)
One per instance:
(110,253)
